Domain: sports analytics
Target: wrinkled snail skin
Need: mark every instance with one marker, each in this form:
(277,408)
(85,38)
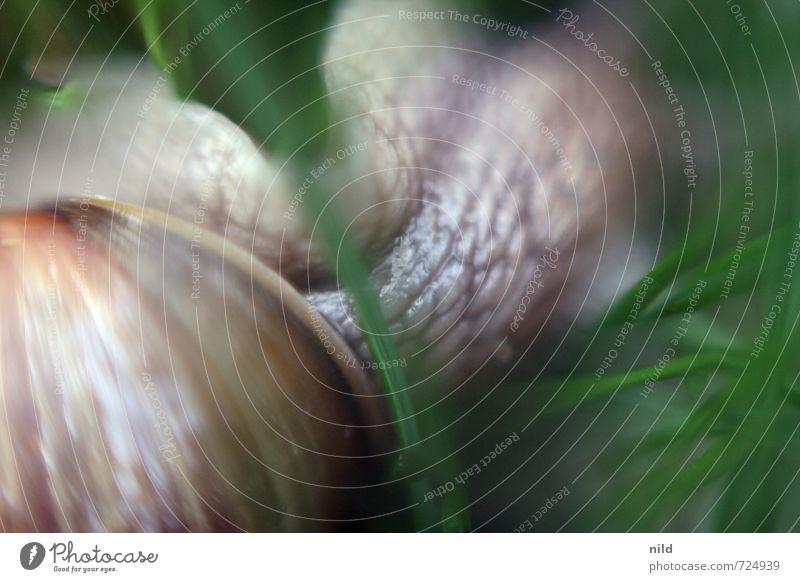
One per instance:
(484,201)
(135,399)
(140,392)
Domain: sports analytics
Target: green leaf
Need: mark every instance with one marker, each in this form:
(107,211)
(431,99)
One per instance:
(581,391)
(256,62)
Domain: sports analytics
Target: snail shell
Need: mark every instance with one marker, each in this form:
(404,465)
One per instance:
(155,378)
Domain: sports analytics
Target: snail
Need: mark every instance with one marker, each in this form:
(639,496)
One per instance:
(177,353)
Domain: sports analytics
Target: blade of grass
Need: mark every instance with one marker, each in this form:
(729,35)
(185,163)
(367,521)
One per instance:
(255,62)
(355,278)
(585,390)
